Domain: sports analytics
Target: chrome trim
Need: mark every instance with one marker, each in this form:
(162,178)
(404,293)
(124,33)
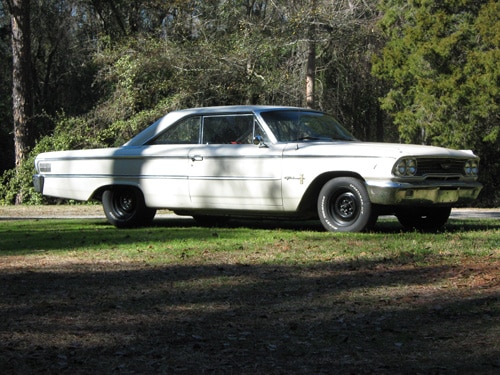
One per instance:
(186,157)
(166,177)
(442,192)
(116,176)
(234,178)
(38,181)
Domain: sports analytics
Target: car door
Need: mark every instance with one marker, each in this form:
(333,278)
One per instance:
(228,171)
(165,164)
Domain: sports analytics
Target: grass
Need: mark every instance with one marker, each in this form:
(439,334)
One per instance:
(284,242)
(79,296)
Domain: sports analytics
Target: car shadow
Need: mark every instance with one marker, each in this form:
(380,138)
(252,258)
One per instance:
(386,224)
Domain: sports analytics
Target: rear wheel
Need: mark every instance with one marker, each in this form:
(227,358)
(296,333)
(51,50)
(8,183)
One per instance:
(344,206)
(124,207)
(427,219)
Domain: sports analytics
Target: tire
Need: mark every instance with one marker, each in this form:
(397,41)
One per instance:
(124,207)
(344,206)
(426,219)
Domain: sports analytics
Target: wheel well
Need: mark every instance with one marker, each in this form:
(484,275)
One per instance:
(309,200)
(97,195)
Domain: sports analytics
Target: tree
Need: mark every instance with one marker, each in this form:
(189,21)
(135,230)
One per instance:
(22,98)
(103,70)
(311,58)
(346,39)
(6,140)
(441,60)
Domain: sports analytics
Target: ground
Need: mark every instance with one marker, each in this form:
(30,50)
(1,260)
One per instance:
(64,315)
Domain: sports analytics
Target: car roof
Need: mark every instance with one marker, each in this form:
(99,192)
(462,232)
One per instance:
(154,129)
(236,109)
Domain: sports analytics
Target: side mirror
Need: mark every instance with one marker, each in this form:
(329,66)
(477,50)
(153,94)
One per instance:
(258,140)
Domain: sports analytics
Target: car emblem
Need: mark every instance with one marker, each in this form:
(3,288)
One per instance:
(445,166)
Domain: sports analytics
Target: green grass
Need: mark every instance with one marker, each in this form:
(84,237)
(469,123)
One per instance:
(173,240)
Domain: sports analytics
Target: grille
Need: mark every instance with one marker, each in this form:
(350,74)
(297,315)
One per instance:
(440,166)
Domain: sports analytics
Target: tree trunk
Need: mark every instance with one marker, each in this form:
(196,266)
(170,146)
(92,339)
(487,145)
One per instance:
(310,74)
(311,59)
(22,98)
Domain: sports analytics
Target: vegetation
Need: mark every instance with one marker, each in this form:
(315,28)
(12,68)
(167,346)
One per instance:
(100,71)
(79,296)
(442,61)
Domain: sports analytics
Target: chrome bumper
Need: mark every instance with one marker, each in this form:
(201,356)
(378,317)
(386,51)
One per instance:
(402,193)
(38,181)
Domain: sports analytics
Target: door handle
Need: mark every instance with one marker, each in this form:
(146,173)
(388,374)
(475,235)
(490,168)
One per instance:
(196,158)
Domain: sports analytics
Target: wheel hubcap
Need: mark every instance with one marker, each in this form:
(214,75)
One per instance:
(345,206)
(126,203)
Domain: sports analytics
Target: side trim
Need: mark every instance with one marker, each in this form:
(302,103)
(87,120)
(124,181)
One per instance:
(333,157)
(162,177)
(152,157)
(231,178)
(115,176)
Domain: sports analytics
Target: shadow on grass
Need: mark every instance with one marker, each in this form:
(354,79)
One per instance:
(274,319)
(386,224)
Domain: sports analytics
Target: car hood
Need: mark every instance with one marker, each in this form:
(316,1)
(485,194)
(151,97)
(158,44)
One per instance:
(372,149)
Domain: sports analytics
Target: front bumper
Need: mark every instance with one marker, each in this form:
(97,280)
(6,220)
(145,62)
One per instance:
(38,181)
(423,193)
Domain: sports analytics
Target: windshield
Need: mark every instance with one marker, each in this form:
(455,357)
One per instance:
(293,125)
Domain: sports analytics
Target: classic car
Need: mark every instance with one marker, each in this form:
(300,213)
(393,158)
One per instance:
(215,163)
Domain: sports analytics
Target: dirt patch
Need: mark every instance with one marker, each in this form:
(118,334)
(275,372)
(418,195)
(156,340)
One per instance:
(51,211)
(62,316)
(57,211)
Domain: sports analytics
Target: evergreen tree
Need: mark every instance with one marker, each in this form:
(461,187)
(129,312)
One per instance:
(441,61)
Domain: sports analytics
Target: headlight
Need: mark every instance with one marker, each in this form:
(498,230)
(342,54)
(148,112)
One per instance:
(405,167)
(471,168)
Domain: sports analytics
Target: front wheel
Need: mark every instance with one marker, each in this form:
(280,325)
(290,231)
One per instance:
(426,219)
(124,207)
(344,206)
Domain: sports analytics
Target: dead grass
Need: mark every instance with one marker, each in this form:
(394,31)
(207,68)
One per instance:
(51,211)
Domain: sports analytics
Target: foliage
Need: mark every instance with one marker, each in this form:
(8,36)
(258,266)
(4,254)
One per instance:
(441,60)
(109,69)
(70,133)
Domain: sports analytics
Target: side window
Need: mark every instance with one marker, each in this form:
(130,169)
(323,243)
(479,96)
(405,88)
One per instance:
(186,131)
(218,129)
(232,129)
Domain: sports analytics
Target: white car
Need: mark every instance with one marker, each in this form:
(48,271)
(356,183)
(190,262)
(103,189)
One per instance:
(217,162)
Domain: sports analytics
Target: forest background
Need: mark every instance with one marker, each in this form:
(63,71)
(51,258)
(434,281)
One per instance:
(92,73)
